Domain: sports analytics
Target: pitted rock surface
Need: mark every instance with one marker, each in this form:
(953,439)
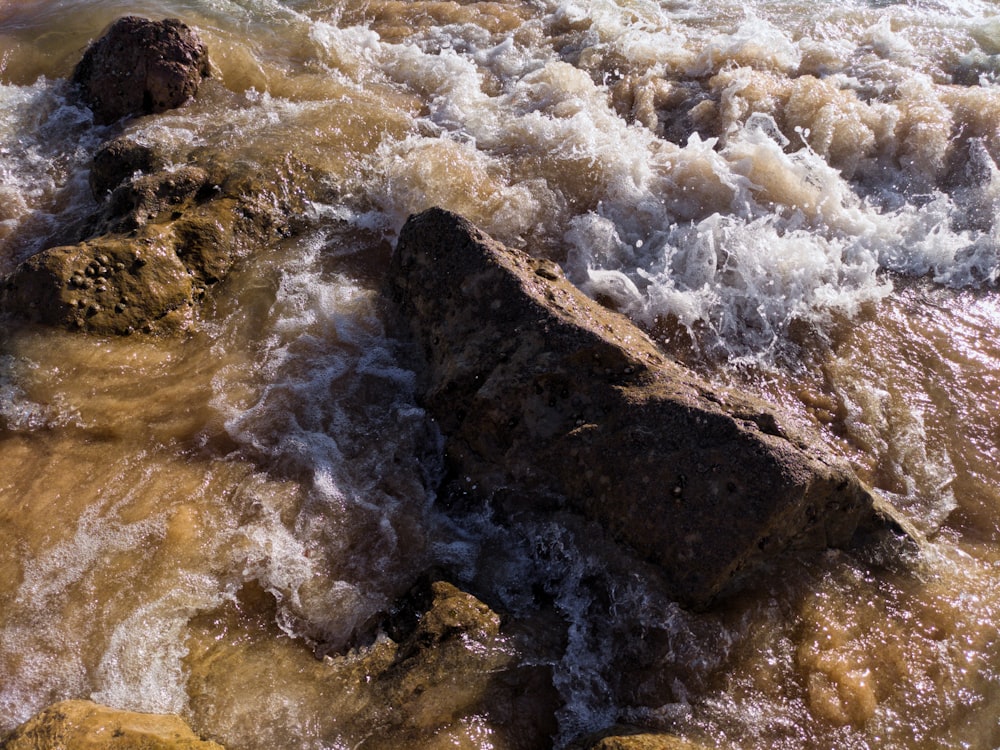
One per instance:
(141,67)
(161,239)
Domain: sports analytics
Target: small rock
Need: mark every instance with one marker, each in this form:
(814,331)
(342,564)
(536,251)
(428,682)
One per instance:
(453,661)
(626,738)
(141,67)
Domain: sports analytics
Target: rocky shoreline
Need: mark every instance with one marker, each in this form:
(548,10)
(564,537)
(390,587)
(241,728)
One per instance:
(547,401)
(165,230)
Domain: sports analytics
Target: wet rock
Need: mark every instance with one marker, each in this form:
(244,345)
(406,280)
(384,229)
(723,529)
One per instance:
(445,673)
(453,665)
(111,284)
(121,159)
(548,399)
(157,244)
(141,67)
(155,198)
(623,738)
(83,725)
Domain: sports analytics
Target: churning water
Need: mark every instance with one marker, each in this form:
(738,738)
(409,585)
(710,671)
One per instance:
(798,197)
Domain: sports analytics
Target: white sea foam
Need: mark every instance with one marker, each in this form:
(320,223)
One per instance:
(755,41)
(335,410)
(38,653)
(45,145)
(352,49)
(142,667)
(750,195)
(920,473)
(18,411)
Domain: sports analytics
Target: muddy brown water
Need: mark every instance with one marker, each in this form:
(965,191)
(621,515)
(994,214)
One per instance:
(795,197)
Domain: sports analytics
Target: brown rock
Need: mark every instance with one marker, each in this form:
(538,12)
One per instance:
(141,67)
(83,725)
(456,664)
(623,738)
(155,198)
(112,284)
(157,245)
(546,398)
(119,160)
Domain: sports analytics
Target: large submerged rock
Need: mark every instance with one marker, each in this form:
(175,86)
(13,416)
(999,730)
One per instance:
(141,67)
(547,398)
(83,725)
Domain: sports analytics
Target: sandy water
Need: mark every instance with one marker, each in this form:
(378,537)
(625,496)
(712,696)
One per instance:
(797,197)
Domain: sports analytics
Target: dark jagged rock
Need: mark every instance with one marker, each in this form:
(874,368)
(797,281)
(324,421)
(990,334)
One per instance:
(83,725)
(141,67)
(546,398)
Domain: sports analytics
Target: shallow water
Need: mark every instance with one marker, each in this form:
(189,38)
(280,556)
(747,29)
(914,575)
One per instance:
(796,197)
